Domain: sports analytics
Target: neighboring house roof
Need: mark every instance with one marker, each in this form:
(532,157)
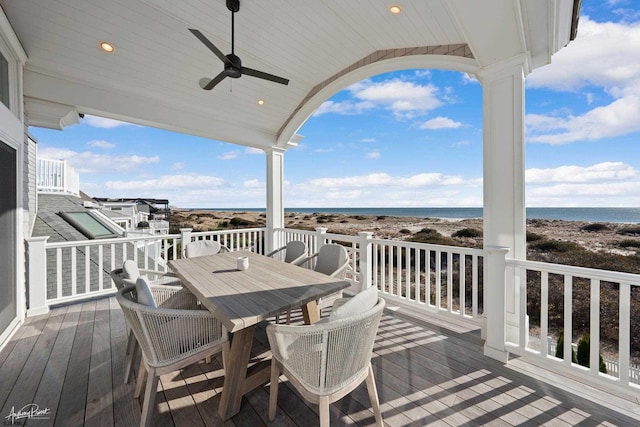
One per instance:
(49,223)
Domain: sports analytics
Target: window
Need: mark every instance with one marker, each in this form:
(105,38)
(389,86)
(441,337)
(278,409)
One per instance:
(88,225)
(4,81)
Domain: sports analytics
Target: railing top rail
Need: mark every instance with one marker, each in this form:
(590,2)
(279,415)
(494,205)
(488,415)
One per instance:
(222,232)
(590,273)
(416,245)
(297,231)
(115,240)
(341,237)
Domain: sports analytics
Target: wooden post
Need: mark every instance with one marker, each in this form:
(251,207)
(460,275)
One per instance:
(320,238)
(275,204)
(37,276)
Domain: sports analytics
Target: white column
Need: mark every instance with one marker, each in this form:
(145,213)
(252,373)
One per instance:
(275,205)
(37,270)
(504,168)
(185,238)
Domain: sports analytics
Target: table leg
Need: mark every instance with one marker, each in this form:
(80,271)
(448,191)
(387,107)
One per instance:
(235,372)
(310,312)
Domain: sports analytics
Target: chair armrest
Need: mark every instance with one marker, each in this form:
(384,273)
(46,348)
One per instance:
(272,253)
(306,260)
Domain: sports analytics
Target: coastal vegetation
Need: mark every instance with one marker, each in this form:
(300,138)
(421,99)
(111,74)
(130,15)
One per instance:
(606,246)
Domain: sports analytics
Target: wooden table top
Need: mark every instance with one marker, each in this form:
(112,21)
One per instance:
(243,298)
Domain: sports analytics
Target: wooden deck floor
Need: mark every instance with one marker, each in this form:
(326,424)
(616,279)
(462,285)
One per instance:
(71,362)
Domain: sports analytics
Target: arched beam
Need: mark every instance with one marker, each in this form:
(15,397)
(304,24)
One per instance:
(456,57)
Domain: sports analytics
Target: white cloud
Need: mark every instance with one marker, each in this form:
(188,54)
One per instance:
(89,162)
(178,166)
(229,155)
(252,150)
(167,182)
(368,140)
(98,143)
(102,122)
(440,123)
(604,55)
(581,174)
(254,183)
(323,150)
(403,98)
(601,184)
(373,155)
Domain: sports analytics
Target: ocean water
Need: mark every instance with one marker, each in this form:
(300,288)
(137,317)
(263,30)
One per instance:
(622,215)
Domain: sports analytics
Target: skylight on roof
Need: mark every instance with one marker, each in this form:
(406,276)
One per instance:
(88,225)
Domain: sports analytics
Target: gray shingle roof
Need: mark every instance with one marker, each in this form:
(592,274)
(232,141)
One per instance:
(49,223)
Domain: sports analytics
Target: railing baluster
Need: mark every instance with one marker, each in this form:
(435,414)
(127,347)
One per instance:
(474,286)
(463,291)
(87,269)
(450,282)
(417,281)
(594,327)
(568,311)
(624,338)
(58,272)
(100,268)
(523,332)
(544,313)
(438,288)
(73,271)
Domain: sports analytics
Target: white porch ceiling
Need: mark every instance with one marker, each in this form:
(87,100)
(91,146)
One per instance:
(152,78)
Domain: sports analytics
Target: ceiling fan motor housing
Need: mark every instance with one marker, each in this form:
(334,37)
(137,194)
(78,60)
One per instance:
(234,68)
(233,5)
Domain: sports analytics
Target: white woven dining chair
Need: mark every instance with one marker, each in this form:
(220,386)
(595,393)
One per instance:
(203,247)
(166,295)
(328,360)
(170,339)
(333,260)
(294,251)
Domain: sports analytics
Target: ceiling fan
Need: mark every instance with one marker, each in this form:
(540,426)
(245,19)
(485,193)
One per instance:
(232,64)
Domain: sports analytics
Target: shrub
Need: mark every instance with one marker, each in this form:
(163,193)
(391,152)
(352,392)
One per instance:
(381,217)
(532,237)
(239,222)
(143,224)
(404,231)
(429,235)
(467,232)
(553,246)
(630,231)
(583,355)
(560,348)
(594,227)
(629,243)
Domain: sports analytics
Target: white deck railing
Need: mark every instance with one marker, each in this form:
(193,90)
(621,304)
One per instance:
(563,278)
(56,176)
(430,278)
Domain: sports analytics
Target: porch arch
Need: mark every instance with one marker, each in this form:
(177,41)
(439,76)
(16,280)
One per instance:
(456,57)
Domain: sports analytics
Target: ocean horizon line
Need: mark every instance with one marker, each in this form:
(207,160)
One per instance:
(588,214)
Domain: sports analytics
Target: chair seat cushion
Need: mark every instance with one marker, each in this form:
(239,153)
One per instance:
(361,302)
(143,291)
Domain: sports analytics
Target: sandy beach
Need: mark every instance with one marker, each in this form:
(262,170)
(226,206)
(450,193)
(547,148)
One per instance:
(605,240)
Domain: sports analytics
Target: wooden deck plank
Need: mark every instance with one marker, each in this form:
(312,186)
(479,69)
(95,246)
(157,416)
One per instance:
(26,386)
(18,355)
(99,407)
(73,397)
(50,387)
(126,409)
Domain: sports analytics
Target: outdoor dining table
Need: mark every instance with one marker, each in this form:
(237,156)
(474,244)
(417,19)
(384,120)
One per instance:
(243,298)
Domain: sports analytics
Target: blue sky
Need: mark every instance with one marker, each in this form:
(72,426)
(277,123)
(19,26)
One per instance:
(403,139)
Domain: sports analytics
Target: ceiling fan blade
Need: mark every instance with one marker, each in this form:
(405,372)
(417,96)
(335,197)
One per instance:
(210,45)
(207,84)
(263,75)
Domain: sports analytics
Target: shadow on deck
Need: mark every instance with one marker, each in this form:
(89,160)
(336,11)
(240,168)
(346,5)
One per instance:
(71,363)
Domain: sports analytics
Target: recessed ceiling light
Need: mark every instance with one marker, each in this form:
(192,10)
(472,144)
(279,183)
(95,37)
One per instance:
(260,101)
(395,9)
(107,47)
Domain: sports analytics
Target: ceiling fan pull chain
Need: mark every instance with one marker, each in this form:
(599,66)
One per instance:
(233,32)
